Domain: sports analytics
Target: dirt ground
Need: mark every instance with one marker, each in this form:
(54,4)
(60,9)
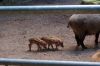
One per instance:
(16,29)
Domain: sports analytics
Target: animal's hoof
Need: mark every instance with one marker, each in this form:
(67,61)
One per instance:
(29,50)
(76,48)
(56,49)
(48,48)
(82,49)
(85,47)
(96,46)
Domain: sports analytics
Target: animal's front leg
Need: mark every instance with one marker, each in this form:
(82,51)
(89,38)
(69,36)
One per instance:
(56,47)
(39,47)
(96,39)
(81,39)
(78,41)
(52,46)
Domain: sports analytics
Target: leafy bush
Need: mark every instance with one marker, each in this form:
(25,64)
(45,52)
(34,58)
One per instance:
(90,1)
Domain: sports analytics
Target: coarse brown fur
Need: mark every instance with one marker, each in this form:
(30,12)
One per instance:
(40,43)
(85,24)
(53,40)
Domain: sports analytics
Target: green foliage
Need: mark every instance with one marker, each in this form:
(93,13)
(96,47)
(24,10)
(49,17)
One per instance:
(92,1)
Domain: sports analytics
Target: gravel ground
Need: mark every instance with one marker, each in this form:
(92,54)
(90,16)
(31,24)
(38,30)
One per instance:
(16,29)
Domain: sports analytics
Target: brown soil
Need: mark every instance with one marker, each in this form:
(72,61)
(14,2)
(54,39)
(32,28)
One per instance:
(16,29)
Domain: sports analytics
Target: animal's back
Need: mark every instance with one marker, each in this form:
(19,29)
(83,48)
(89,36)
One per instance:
(85,22)
(36,40)
(51,39)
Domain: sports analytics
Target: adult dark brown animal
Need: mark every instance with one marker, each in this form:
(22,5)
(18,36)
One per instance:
(85,24)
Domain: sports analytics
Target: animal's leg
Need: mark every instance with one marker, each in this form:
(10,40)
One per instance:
(52,46)
(96,39)
(45,47)
(48,46)
(82,37)
(77,40)
(30,46)
(56,47)
(39,47)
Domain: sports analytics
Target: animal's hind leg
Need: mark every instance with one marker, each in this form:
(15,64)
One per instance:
(39,47)
(50,45)
(96,39)
(56,47)
(30,46)
(45,47)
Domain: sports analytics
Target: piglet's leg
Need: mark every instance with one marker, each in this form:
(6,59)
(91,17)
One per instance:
(30,46)
(96,39)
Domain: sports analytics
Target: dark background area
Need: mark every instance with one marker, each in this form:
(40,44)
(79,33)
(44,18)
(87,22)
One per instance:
(37,2)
